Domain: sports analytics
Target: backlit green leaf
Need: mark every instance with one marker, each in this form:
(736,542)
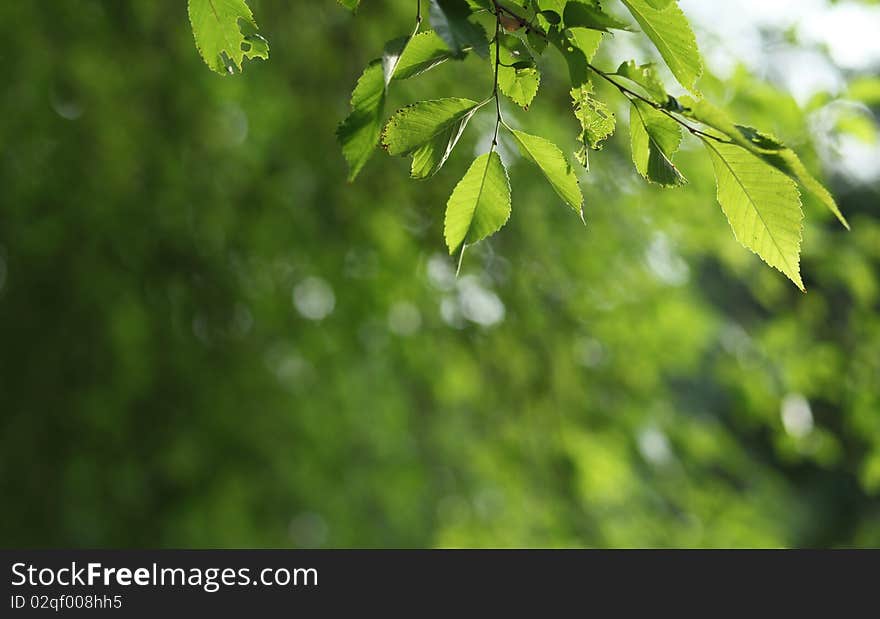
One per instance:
(449,18)
(645,76)
(391,54)
(655,139)
(226,34)
(765,146)
(518,83)
(549,13)
(597,121)
(555,167)
(578,46)
(537,41)
(428,131)
(480,203)
(589,14)
(672,35)
(762,205)
(359,133)
(403,58)
(425,51)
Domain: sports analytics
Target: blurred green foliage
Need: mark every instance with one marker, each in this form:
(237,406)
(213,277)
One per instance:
(210,339)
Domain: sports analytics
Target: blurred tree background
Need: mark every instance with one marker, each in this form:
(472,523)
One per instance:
(208,338)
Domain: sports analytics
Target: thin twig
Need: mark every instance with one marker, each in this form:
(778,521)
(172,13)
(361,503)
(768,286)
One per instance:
(495,93)
(418,21)
(631,94)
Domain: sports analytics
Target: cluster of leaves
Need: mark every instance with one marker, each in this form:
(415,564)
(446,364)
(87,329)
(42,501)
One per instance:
(757,175)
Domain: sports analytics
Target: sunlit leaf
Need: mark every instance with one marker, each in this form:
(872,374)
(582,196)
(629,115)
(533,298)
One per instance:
(428,131)
(645,76)
(480,203)
(359,133)
(589,14)
(537,41)
(762,205)
(391,54)
(597,121)
(449,18)
(425,51)
(655,139)
(549,12)
(519,82)
(555,167)
(765,146)
(578,46)
(226,34)
(671,33)
(403,58)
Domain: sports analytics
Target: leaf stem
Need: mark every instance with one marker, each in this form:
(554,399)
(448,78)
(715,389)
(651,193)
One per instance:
(418,18)
(495,93)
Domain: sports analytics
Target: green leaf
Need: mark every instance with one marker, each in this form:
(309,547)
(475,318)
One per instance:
(660,4)
(553,18)
(786,160)
(645,76)
(597,121)
(762,205)
(555,6)
(359,133)
(428,130)
(351,5)
(765,146)
(391,54)
(480,203)
(449,19)
(589,14)
(865,89)
(413,55)
(578,46)
(519,82)
(485,5)
(549,13)
(555,167)
(537,41)
(425,51)
(655,139)
(226,34)
(671,33)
